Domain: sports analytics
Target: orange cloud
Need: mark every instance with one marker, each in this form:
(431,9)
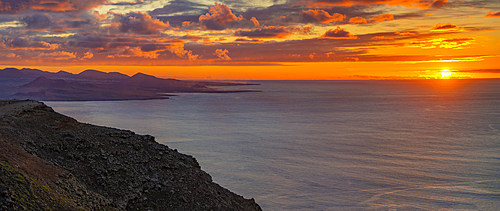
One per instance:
(492,14)
(382,18)
(321,16)
(337,33)
(446,28)
(357,20)
(420,4)
(255,21)
(382,38)
(222,54)
(220,17)
(178,50)
(456,43)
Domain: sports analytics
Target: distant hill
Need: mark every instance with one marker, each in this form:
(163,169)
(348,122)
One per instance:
(96,85)
(94,74)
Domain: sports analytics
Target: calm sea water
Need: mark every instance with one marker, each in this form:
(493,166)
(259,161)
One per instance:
(333,145)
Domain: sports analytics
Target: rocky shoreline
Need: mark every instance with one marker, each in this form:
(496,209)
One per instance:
(48,160)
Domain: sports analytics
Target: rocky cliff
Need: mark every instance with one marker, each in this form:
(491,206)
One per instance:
(51,161)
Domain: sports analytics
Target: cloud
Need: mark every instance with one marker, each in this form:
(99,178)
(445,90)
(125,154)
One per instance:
(179,6)
(127,51)
(446,28)
(128,3)
(139,23)
(89,41)
(88,55)
(328,54)
(15,6)
(382,38)
(37,21)
(420,4)
(178,49)
(191,37)
(58,55)
(26,43)
(492,14)
(320,16)
(479,71)
(247,40)
(358,20)
(222,54)
(220,17)
(380,18)
(455,43)
(265,32)
(337,33)
(404,33)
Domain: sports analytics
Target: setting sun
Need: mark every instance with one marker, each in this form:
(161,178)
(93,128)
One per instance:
(445,73)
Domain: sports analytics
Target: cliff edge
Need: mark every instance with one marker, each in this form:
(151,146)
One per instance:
(51,161)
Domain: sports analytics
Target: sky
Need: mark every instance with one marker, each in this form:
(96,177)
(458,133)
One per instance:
(256,39)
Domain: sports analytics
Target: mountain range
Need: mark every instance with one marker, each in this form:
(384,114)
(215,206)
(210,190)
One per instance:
(93,85)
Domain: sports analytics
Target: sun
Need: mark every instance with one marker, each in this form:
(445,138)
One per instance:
(445,73)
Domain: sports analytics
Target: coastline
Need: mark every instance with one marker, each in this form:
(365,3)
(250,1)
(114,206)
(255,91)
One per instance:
(126,169)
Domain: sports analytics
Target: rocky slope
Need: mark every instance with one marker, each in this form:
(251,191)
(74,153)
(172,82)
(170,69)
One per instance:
(51,160)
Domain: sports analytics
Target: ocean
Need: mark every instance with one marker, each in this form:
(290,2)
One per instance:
(332,145)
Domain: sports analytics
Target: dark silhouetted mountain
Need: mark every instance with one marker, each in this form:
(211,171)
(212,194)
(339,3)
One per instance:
(42,82)
(11,72)
(96,85)
(102,75)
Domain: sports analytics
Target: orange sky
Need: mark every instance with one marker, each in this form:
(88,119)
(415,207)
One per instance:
(269,40)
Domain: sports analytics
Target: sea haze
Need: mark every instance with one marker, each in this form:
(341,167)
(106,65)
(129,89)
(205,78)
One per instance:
(332,145)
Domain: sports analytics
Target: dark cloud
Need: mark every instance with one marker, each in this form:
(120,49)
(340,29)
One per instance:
(152,47)
(439,3)
(191,37)
(89,41)
(15,6)
(26,43)
(446,28)
(37,21)
(128,3)
(180,6)
(140,23)
(265,32)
